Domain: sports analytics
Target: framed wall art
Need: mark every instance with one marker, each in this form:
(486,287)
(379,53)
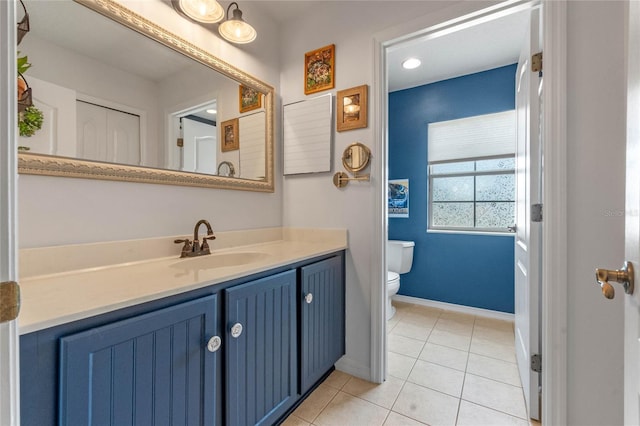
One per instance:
(249,99)
(352,108)
(230,136)
(319,69)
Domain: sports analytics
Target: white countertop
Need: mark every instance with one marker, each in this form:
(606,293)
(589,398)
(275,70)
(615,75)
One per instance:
(54,299)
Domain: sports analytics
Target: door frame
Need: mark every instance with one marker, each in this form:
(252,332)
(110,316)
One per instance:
(9,359)
(554,237)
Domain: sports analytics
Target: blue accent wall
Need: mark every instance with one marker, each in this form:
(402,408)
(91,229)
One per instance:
(465,269)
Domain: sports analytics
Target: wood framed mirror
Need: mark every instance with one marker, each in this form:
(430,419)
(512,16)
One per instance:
(144,56)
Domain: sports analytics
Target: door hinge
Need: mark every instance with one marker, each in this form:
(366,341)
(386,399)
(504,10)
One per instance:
(180,142)
(536,213)
(536,62)
(9,301)
(536,363)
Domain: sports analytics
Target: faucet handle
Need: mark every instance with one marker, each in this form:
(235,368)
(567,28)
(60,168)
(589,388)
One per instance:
(205,245)
(186,248)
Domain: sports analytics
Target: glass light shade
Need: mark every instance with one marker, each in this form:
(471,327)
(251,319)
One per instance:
(207,11)
(236,30)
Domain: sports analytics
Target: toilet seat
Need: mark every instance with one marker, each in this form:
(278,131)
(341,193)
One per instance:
(393,282)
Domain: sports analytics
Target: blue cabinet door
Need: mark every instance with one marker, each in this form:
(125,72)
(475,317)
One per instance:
(322,319)
(261,367)
(153,369)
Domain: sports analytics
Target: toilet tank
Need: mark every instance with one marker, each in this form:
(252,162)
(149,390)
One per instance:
(399,256)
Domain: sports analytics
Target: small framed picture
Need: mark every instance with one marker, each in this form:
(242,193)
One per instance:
(230,137)
(319,69)
(352,108)
(249,99)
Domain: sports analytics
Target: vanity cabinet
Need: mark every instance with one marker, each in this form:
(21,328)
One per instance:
(160,363)
(322,335)
(261,369)
(149,369)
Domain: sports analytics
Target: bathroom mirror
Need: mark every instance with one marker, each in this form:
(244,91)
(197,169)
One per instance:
(124,99)
(356,157)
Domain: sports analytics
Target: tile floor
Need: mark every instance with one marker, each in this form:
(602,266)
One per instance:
(445,368)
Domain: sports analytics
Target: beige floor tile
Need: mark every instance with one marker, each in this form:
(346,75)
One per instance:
(346,409)
(437,377)
(496,369)
(503,337)
(295,421)
(393,322)
(427,310)
(315,403)
(491,394)
(449,339)
(475,415)
(493,350)
(414,331)
(426,405)
(383,394)
(457,316)
(395,419)
(462,328)
(404,345)
(399,366)
(419,319)
(337,379)
(443,355)
(496,324)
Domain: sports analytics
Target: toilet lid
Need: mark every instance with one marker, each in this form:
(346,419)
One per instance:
(392,276)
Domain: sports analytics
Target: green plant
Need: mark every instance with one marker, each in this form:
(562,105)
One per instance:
(23,64)
(30,121)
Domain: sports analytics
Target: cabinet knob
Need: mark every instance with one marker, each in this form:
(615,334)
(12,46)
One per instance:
(214,344)
(308,298)
(236,330)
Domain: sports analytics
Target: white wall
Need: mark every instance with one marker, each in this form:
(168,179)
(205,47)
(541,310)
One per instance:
(595,198)
(54,211)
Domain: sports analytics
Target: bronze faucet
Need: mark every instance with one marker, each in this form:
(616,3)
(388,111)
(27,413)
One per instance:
(190,249)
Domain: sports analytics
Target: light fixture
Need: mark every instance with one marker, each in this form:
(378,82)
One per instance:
(411,63)
(235,29)
(211,111)
(205,11)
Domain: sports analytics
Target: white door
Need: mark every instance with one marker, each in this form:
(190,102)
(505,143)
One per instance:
(105,134)
(527,238)
(9,395)
(632,225)
(58,134)
(199,149)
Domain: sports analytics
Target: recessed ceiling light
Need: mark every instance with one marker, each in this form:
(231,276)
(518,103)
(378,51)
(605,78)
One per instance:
(211,111)
(411,63)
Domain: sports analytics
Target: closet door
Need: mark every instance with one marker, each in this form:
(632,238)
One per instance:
(104,134)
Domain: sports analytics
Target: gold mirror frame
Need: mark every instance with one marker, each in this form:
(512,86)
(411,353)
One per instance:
(347,155)
(48,165)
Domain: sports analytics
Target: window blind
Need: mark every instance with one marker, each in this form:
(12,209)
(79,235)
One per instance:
(473,137)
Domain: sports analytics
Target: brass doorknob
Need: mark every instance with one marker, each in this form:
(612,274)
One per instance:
(623,276)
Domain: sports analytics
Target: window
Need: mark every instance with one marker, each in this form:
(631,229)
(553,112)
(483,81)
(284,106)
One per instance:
(473,195)
(472,173)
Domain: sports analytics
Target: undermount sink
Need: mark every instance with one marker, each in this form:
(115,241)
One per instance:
(220,260)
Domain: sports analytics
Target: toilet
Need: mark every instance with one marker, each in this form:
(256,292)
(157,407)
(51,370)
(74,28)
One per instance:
(399,261)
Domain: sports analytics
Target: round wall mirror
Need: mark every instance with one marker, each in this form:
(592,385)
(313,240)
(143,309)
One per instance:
(356,157)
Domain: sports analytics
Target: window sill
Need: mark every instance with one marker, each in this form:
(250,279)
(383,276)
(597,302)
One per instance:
(467,232)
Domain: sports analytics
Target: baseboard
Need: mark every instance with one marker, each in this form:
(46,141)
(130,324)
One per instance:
(353,367)
(487,313)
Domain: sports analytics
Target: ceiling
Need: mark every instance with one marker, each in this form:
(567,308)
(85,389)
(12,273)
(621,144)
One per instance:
(481,47)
